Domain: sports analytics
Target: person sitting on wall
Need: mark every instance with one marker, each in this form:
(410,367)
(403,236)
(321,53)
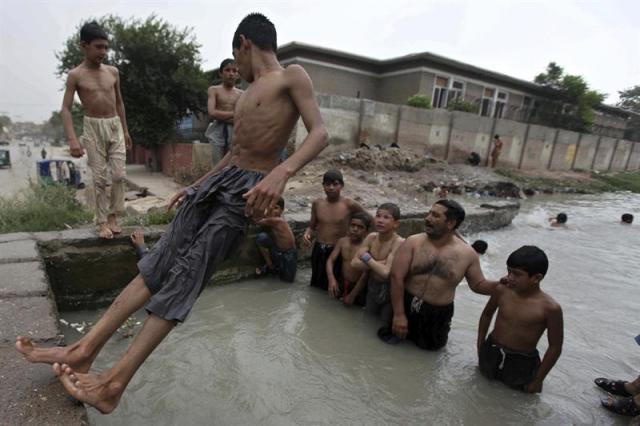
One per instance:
(278,249)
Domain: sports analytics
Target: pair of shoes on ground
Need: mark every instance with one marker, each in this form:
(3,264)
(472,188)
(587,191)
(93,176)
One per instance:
(626,405)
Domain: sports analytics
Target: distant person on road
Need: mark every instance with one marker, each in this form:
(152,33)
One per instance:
(627,218)
(509,353)
(221,106)
(559,221)
(65,173)
(497,149)
(105,134)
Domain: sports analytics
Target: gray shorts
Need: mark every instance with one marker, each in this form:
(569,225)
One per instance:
(209,224)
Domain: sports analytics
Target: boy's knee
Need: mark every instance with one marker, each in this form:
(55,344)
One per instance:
(117,176)
(263,240)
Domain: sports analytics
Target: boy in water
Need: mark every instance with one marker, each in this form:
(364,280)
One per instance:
(279,253)
(627,219)
(375,256)
(330,220)
(559,221)
(105,135)
(209,223)
(480,246)
(220,106)
(345,250)
(509,354)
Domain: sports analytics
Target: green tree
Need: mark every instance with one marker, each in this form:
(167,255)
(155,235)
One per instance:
(630,100)
(160,74)
(570,103)
(54,128)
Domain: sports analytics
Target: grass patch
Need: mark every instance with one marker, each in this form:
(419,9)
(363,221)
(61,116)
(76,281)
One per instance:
(152,217)
(42,208)
(599,182)
(623,181)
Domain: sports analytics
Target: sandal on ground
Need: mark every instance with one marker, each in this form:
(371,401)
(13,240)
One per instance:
(615,387)
(623,406)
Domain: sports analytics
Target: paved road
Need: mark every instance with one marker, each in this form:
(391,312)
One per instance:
(23,165)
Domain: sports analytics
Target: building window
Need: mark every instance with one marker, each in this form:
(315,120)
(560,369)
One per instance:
(440,93)
(527,104)
(487,102)
(501,105)
(456,91)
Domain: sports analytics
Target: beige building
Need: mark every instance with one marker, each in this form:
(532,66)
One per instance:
(442,79)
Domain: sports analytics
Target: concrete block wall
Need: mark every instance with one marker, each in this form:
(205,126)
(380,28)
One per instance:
(452,136)
(564,150)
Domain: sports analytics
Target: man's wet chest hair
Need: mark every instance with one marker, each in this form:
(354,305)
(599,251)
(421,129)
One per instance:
(441,267)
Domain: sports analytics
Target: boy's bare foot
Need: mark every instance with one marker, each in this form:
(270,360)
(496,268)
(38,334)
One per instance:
(71,355)
(96,390)
(112,223)
(137,238)
(105,232)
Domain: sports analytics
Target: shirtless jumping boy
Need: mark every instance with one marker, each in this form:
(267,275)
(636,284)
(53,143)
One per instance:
(343,252)
(509,354)
(330,219)
(221,106)
(105,135)
(425,274)
(210,221)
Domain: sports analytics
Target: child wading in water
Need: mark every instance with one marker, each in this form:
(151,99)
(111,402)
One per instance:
(509,354)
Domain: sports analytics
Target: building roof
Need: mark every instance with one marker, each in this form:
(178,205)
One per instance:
(422,59)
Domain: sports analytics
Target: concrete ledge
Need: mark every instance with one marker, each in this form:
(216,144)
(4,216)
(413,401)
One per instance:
(34,317)
(23,279)
(31,394)
(86,272)
(18,251)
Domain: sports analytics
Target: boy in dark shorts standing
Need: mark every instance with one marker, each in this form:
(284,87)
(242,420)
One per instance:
(209,223)
(279,253)
(330,220)
(509,354)
(105,136)
(343,252)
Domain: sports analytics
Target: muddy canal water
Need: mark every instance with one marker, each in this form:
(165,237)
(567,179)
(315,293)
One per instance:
(267,353)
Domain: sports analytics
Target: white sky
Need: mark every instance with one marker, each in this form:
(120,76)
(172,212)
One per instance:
(599,40)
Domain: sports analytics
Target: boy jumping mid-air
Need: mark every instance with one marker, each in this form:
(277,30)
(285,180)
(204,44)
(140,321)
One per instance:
(210,221)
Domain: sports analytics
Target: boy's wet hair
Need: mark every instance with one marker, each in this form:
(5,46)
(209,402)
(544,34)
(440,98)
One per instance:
(363,217)
(627,218)
(224,63)
(280,203)
(530,259)
(391,208)
(454,211)
(496,136)
(332,176)
(259,29)
(92,31)
(480,246)
(561,218)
